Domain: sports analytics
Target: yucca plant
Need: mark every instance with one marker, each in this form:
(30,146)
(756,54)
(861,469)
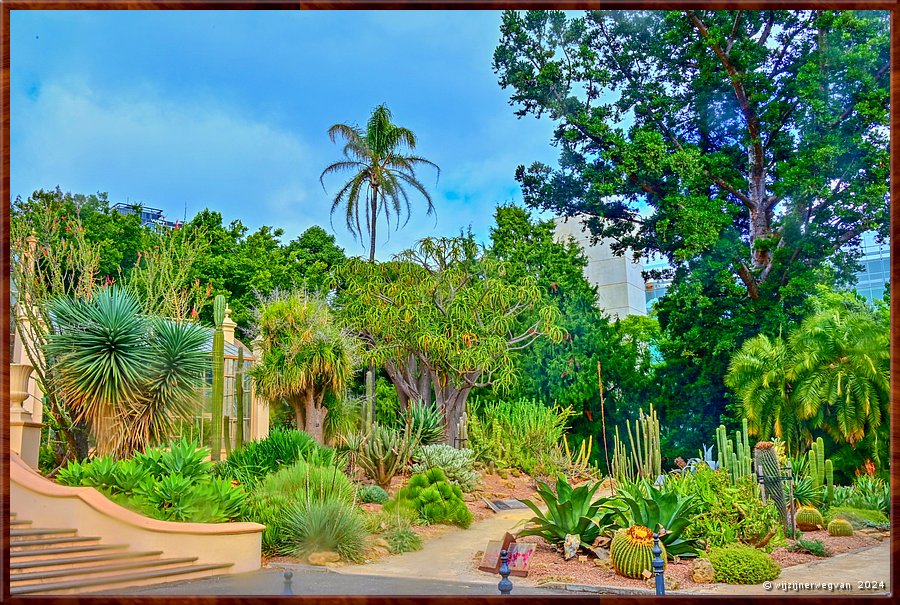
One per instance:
(330,525)
(571,511)
(256,459)
(130,377)
(427,420)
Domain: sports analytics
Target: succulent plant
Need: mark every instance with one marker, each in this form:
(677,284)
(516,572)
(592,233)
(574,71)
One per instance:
(218,376)
(767,460)
(840,527)
(631,551)
(808,518)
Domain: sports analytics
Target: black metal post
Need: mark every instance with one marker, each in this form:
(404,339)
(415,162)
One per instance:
(505,585)
(288,579)
(658,566)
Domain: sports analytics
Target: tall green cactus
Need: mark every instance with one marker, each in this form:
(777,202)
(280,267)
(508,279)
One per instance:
(621,466)
(239,400)
(462,430)
(829,482)
(645,446)
(767,461)
(735,457)
(821,471)
(218,376)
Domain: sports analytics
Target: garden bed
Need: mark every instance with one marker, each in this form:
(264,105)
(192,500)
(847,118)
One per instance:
(547,564)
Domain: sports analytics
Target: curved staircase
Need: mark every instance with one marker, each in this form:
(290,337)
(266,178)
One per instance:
(59,561)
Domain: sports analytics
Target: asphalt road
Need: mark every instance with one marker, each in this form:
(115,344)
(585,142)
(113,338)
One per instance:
(308,580)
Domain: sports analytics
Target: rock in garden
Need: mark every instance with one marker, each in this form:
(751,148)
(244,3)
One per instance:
(670,582)
(323,558)
(702,571)
(570,546)
(603,563)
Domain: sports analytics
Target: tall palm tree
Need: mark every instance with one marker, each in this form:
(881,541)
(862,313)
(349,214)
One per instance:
(304,355)
(381,171)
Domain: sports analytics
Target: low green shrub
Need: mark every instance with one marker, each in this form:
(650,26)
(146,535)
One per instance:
(329,525)
(402,539)
(813,547)
(522,433)
(435,499)
(399,514)
(457,464)
(858,517)
(256,459)
(172,484)
(735,564)
(372,493)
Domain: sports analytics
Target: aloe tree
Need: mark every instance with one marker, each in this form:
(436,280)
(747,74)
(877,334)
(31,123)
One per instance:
(304,355)
(129,376)
(381,171)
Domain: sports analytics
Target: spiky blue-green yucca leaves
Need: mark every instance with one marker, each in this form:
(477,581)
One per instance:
(571,511)
(427,420)
(130,377)
(653,508)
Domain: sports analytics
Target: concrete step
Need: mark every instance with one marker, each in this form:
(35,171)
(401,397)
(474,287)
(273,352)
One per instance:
(32,533)
(93,571)
(28,545)
(56,553)
(18,523)
(126,580)
(75,561)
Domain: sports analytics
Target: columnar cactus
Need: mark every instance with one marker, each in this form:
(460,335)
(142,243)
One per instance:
(829,482)
(840,527)
(767,461)
(645,448)
(734,456)
(808,519)
(821,471)
(462,430)
(239,400)
(631,552)
(218,376)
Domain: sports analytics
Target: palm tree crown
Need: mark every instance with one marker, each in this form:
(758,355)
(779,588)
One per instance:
(381,172)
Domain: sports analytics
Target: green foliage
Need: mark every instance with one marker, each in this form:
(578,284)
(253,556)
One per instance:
(307,482)
(571,511)
(725,512)
(813,547)
(426,420)
(519,434)
(457,464)
(327,525)
(858,517)
(130,377)
(651,507)
(279,448)
(807,494)
(343,417)
(435,499)
(443,319)
(372,493)
(402,539)
(172,484)
(737,564)
(384,451)
(305,355)
(866,492)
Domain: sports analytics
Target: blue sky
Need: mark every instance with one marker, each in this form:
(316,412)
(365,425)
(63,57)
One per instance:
(186,110)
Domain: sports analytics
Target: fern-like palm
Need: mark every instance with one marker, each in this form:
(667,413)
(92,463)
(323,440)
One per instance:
(381,171)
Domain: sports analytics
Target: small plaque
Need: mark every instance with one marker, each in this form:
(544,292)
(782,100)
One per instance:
(490,562)
(519,557)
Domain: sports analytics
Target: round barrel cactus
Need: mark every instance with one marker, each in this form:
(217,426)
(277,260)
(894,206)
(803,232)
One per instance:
(631,551)
(840,527)
(809,519)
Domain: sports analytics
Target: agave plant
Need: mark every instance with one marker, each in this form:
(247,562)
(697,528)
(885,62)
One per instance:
(572,511)
(807,494)
(427,420)
(656,509)
(129,377)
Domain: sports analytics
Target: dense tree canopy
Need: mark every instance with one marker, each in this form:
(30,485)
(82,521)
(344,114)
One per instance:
(749,148)
(443,320)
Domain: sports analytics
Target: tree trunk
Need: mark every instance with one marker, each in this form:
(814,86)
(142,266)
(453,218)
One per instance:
(373,220)
(412,381)
(299,407)
(315,417)
(452,401)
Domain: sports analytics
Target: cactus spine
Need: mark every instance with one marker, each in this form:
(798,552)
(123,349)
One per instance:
(631,552)
(239,400)
(809,519)
(645,450)
(767,461)
(218,376)
(734,456)
(840,527)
